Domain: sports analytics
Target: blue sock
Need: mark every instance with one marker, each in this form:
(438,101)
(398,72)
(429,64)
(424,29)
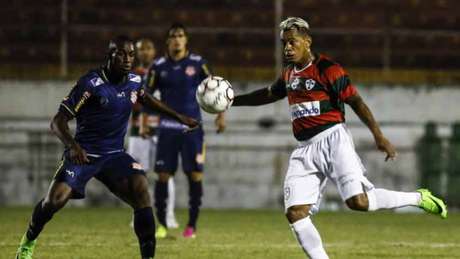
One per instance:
(161,194)
(195,193)
(144,226)
(40,217)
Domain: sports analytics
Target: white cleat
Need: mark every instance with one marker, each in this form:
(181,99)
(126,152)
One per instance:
(171,222)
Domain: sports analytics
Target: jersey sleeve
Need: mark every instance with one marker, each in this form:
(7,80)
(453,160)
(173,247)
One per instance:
(78,96)
(340,82)
(278,88)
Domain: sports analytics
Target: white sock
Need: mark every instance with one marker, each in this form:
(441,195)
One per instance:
(385,199)
(171,198)
(309,238)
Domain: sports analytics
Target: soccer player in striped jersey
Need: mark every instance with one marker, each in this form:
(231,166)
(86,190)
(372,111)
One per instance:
(317,89)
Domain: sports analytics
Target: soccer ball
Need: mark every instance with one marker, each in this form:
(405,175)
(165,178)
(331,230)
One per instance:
(215,94)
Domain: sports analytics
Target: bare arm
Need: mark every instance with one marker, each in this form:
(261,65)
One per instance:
(261,96)
(155,104)
(220,122)
(365,115)
(60,127)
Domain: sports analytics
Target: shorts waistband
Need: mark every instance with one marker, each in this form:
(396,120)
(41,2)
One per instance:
(321,135)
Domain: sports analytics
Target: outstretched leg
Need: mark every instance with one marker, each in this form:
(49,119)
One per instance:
(56,198)
(376,199)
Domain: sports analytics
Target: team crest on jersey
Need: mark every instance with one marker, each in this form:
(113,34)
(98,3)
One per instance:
(300,84)
(163,73)
(134,78)
(309,84)
(133,96)
(96,81)
(190,70)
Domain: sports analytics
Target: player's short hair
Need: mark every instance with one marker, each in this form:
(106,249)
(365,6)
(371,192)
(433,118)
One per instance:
(174,27)
(117,42)
(295,23)
(142,41)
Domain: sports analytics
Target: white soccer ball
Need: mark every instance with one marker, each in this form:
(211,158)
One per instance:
(215,94)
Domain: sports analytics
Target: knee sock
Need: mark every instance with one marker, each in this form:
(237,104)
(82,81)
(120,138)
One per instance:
(195,194)
(144,226)
(161,194)
(385,199)
(40,217)
(309,238)
(171,198)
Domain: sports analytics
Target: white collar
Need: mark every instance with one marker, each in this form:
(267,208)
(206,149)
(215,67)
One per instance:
(305,67)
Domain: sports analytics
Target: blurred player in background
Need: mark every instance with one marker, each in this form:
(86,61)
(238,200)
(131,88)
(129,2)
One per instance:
(143,140)
(317,89)
(176,76)
(101,102)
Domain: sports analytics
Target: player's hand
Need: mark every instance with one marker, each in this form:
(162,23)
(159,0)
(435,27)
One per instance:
(190,122)
(78,155)
(385,146)
(220,123)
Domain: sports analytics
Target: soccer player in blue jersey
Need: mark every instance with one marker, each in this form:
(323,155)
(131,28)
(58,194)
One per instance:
(101,102)
(176,76)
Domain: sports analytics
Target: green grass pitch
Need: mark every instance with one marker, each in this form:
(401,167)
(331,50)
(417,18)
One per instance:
(104,233)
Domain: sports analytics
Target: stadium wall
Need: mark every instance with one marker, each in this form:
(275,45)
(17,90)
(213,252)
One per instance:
(245,166)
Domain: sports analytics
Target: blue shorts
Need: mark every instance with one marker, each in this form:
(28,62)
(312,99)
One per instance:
(106,168)
(190,145)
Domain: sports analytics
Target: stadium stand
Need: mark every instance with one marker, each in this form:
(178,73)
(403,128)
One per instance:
(235,35)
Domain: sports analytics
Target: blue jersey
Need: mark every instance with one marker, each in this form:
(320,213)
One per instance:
(102,110)
(177,82)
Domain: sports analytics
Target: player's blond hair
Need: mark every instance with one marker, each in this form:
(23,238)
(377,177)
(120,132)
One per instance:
(294,22)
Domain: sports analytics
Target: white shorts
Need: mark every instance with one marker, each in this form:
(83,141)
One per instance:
(143,150)
(328,155)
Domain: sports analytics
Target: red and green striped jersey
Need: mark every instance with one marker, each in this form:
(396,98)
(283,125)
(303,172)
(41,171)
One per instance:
(316,95)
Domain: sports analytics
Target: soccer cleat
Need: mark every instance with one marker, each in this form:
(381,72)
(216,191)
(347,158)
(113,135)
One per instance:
(432,204)
(189,232)
(26,248)
(171,222)
(161,232)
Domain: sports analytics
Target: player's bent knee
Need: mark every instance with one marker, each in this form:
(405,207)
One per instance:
(163,177)
(54,203)
(297,212)
(358,202)
(196,176)
(57,196)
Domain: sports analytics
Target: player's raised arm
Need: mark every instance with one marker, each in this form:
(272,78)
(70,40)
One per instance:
(365,115)
(153,103)
(273,93)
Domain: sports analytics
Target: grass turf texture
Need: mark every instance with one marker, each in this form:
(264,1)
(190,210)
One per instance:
(104,233)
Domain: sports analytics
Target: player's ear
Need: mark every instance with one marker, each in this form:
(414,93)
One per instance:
(308,40)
